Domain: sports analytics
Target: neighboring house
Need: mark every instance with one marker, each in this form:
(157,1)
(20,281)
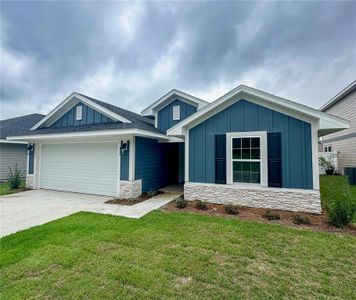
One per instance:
(344,142)
(247,147)
(14,153)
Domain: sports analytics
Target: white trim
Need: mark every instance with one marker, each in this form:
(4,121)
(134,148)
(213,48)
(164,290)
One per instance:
(3,141)
(132,158)
(342,94)
(282,105)
(39,160)
(186,157)
(315,158)
(148,111)
(94,133)
(90,103)
(28,162)
(118,175)
(263,152)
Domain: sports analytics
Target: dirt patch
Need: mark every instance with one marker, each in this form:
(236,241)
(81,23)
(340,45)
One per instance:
(131,201)
(318,222)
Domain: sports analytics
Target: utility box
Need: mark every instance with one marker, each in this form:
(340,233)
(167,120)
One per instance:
(350,172)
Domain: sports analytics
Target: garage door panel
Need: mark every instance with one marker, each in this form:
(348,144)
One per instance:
(86,168)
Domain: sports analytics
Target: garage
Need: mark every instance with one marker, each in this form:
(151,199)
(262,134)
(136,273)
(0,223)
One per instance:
(89,168)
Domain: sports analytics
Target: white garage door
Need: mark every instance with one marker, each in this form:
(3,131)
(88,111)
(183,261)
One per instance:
(83,168)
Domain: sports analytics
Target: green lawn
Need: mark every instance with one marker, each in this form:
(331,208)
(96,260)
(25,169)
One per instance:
(175,255)
(5,188)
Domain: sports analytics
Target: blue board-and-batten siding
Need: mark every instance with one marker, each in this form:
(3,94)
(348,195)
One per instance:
(165,115)
(31,160)
(246,116)
(125,160)
(89,116)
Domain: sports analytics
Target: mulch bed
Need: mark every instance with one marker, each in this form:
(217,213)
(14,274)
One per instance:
(318,222)
(130,201)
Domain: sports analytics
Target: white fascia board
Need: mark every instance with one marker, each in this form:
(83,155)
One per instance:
(285,106)
(199,103)
(88,134)
(342,94)
(87,101)
(3,141)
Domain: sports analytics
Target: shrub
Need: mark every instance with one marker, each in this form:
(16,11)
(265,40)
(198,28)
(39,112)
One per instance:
(231,210)
(342,210)
(298,219)
(201,205)
(14,178)
(269,215)
(181,203)
(152,193)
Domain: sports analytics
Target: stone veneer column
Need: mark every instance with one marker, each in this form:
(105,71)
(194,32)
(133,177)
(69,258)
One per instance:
(260,197)
(30,181)
(130,188)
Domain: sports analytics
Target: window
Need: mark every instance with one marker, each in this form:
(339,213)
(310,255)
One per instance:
(247,157)
(79,113)
(327,148)
(176,112)
(246,160)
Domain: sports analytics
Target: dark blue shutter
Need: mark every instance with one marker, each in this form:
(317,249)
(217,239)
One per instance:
(220,158)
(274,159)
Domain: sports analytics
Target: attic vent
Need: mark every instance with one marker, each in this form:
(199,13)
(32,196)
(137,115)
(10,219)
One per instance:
(79,113)
(176,113)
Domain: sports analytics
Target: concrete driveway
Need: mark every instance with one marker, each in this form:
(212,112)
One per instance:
(31,208)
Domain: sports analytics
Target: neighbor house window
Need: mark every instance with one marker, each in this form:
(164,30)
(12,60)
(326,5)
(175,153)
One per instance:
(176,113)
(327,148)
(247,157)
(79,113)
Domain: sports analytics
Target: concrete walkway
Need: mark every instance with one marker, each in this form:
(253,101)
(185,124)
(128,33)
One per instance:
(31,208)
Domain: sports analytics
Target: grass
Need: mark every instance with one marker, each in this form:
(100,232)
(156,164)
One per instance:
(175,255)
(5,188)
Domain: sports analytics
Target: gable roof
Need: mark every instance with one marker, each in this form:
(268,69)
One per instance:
(134,121)
(171,96)
(69,102)
(241,92)
(342,94)
(18,125)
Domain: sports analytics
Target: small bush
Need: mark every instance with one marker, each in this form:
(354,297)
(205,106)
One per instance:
(181,203)
(298,219)
(231,210)
(14,178)
(152,193)
(342,210)
(201,205)
(269,215)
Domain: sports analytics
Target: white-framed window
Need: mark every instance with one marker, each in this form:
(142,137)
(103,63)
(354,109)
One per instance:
(247,157)
(79,113)
(176,112)
(327,148)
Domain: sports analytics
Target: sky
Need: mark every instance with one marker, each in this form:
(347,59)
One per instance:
(132,53)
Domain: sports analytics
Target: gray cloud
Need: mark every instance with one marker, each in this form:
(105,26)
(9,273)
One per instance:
(132,53)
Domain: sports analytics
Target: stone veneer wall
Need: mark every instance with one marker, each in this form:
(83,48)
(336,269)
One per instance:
(30,181)
(261,197)
(130,188)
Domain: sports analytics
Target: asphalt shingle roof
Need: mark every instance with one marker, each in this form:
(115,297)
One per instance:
(18,125)
(137,122)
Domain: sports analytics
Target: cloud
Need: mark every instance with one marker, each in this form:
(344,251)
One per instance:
(130,54)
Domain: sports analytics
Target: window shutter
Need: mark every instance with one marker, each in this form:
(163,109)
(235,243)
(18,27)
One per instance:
(274,159)
(176,112)
(220,158)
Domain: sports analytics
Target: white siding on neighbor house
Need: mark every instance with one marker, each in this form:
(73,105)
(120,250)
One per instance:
(10,155)
(341,141)
(89,168)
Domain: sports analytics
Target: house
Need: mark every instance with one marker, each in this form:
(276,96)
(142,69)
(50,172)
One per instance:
(248,147)
(14,153)
(343,142)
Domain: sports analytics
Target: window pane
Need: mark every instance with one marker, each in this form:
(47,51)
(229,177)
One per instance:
(246,153)
(248,172)
(246,143)
(255,153)
(236,143)
(236,153)
(255,142)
